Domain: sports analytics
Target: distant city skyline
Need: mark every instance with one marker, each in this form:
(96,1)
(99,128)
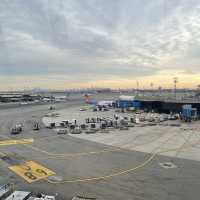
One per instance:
(64,44)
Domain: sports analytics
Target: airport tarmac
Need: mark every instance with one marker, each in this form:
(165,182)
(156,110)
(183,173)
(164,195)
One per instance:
(162,137)
(92,168)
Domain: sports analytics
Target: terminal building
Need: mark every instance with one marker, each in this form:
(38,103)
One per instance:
(18,97)
(160,106)
(128,102)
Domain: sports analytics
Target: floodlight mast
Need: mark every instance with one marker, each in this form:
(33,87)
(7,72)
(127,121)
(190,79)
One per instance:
(175,86)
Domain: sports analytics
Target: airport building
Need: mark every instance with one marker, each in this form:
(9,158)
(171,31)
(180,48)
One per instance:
(128,102)
(160,106)
(18,97)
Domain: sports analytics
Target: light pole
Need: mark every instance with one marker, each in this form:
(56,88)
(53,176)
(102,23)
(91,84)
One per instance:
(198,91)
(137,87)
(160,89)
(151,88)
(175,85)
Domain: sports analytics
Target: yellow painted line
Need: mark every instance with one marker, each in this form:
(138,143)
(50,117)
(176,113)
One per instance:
(31,171)
(123,172)
(142,165)
(19,141)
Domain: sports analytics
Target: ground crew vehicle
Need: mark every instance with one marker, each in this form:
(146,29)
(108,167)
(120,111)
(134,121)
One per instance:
(16,129)
(6,190)
(41,197)
(36,126)
(24,195)
(52,108)
(19,195)
(62,131)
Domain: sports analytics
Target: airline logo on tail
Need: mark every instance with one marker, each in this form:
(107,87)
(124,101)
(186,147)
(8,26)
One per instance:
(89,100)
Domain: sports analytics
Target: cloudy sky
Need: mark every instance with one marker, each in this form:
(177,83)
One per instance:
(99,43)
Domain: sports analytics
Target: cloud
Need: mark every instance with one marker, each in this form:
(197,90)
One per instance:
(98,39)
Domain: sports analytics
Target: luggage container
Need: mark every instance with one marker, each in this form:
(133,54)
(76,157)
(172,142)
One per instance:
(103,126)
(62,124)
(62,131)
(76,130)
(93,126)
(83,126)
